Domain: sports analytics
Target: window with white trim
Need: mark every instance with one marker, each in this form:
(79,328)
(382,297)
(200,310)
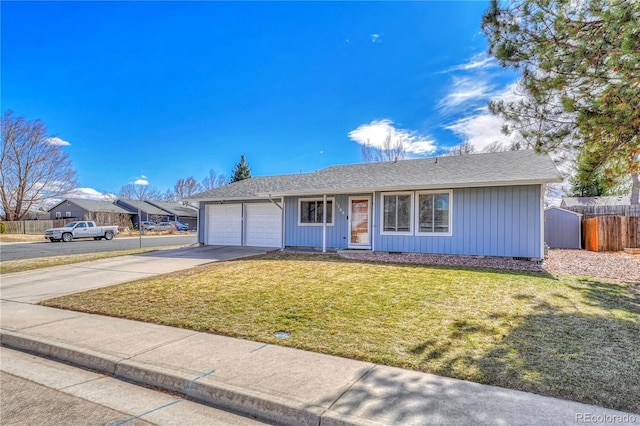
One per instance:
(396,213)
(58,214)
(433,213)
(67,214)
(310,211)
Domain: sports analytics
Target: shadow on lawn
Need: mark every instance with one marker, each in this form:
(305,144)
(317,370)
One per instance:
(580,356)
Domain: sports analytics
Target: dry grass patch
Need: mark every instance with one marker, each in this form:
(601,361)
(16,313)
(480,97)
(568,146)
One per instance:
(10,266)
(566,337)
(21,238)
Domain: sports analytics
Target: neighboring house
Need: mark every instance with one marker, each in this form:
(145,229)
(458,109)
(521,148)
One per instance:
(617,200)
(562,228)
(183,214)
(588,207)
(479,204)
(76,208)
(148,211)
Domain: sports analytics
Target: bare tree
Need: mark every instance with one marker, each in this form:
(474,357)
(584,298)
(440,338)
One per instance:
(110,218)
(33,166)
(496,146)
(134,191)
(463,149)
(213,180)
(389,150)
(185,188)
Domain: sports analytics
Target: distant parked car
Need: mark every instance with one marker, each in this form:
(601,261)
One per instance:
(179,226)
(148,225)
(165,226)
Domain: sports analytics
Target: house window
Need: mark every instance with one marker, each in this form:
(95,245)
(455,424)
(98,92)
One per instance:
(67,214)
(396,213)
(311,211)
(434,213)
(58,214)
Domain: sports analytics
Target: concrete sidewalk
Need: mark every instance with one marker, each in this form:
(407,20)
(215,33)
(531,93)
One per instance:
(274,384)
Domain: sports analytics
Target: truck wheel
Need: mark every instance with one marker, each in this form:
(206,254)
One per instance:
(67,237)
(108,236)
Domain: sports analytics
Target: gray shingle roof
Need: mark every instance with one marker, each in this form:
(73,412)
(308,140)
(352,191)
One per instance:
(490,169)
(144,206)
(596,201)
(94,205)
(175,208)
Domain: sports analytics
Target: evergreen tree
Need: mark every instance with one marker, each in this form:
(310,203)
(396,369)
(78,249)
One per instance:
(580,81)
(241,171)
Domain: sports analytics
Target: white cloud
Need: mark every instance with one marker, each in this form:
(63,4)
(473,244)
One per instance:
(376,38)
(481,130)
(57,141)
(478,61)
(141,182)
(90,194)
(377,131)
(143,177)
(466,90)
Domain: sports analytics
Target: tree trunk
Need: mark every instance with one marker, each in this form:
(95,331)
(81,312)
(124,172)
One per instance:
(635,189)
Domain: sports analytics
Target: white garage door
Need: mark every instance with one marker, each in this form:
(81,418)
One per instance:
(224,224)
(264,225)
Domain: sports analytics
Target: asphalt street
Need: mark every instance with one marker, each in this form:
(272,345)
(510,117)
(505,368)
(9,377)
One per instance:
(15,251)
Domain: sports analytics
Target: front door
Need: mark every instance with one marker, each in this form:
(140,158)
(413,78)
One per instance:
(359,235)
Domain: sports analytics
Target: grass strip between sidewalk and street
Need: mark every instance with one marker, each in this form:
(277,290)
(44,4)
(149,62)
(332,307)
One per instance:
(571,337)
(10,266)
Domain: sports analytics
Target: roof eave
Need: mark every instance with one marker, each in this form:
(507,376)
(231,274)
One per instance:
(404,188)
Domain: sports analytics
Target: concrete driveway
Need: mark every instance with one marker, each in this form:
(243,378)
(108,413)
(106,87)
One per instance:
(40,284)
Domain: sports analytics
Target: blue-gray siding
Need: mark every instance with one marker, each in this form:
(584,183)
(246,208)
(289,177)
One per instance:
(491,221)
(562,229)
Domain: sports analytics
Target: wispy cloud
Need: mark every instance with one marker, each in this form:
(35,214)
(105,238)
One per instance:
(56,141)
(481,128)
(478,61)
(467,92)
(376,132)
(376,38)
(141,181)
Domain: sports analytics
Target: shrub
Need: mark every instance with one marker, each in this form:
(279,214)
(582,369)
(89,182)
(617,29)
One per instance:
(3,228)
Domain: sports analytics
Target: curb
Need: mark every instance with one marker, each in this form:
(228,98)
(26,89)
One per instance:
(253,404)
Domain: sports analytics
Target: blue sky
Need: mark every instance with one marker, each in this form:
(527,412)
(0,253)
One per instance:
(157,91)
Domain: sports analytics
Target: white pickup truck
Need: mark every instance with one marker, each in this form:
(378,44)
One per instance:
(82,229)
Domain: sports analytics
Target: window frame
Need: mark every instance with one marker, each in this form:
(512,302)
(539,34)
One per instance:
(411,212)
(321,200)
(417,213)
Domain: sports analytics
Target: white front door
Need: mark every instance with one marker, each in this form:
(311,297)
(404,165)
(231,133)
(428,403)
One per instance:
(359,229)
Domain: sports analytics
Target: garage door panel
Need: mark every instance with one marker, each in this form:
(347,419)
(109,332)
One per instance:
(224,224)
(264,225)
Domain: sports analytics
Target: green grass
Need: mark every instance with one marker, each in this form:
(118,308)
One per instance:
(569,337)
(9,266)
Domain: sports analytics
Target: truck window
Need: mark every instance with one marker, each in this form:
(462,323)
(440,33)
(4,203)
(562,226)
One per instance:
(82,225)
(90,224)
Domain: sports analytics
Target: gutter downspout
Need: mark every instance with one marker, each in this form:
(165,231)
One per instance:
(324,223)
(542,191)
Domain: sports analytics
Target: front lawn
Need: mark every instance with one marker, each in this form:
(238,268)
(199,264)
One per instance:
(569,337)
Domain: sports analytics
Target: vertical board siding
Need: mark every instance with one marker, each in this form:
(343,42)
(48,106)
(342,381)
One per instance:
(311,236)
(492,221)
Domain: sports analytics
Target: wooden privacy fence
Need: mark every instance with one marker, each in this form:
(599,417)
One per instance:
(611,233)
(33,226)
(588,212)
